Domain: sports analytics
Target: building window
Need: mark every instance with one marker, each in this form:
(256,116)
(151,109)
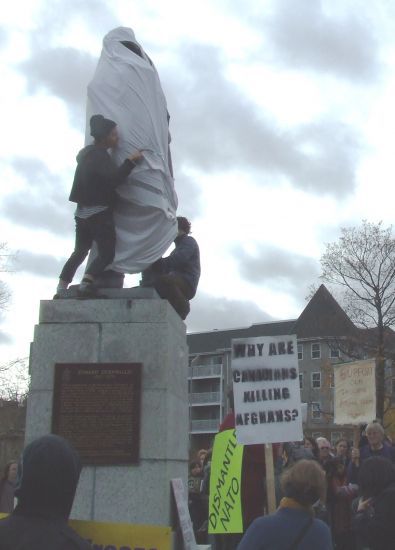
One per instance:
(316,380)
(301,380)
(300,352)
(316,351)
(314,435)
(334,353)
(316,411)
(332,380)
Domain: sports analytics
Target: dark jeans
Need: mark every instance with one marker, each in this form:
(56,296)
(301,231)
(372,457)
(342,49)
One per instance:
(100,229)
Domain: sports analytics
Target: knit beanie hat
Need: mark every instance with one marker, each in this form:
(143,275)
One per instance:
(100,126)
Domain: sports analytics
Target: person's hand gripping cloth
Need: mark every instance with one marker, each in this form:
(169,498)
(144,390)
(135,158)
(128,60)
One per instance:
(126,88)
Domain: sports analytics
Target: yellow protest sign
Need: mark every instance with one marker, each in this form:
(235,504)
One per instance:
(123,536)
(225,514)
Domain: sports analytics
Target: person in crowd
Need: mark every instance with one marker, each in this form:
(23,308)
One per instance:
(339,499)
(195,502)
(376,447)
(7,487)
(311,443)
(293,525)
(95,180)
(176,277)
(201,456)
(374,521)
(47,479)
(324,448)
(342,450)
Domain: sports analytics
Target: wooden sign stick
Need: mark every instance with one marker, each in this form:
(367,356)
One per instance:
(270,487)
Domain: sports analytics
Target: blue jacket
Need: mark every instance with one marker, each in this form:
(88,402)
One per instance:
(279,530)
(184,261)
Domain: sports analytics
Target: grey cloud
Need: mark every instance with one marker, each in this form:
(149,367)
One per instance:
(304,36)
(43,265)
(188,193)
(210,312)
(65,73)
(4,338)
(279,269)
(215,127)
(43,203)
(3,37)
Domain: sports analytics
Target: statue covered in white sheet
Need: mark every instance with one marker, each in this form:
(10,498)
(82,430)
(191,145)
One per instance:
(126,89)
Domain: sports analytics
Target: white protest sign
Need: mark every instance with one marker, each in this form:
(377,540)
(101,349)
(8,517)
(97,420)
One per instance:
(355,392)
(266,390)
(183,514)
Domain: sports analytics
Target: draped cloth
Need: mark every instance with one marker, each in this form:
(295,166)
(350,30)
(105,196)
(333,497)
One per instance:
(126,88)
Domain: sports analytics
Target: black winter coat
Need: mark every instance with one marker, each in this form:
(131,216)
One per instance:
(376,525)
(97,176)
(48,474)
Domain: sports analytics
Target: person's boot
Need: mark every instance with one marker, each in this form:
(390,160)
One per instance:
(87,288)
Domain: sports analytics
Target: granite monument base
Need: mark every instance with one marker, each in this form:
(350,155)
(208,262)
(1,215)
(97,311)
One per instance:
(122,328)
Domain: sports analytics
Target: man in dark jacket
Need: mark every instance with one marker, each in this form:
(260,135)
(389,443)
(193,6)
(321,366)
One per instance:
(48,474)
(176,277)
(95,180)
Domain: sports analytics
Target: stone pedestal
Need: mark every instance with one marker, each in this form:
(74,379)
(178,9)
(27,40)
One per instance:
(120,329)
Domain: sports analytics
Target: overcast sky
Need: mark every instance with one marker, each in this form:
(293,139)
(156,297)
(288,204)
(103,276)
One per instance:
(282,124)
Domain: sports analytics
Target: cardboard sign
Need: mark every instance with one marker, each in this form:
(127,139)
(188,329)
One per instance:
(183,514)
(225,514)
(355,392)
(266,390)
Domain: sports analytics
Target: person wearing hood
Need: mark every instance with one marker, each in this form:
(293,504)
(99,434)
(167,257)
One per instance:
(374,521)
(95,181)
(47,479)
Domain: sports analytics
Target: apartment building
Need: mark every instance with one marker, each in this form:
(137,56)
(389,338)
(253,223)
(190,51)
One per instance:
(320,329)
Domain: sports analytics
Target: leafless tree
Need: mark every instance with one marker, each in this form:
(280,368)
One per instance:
(362,263)
(13,375)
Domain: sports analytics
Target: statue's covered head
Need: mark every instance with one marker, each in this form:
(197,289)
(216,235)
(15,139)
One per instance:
(101,127)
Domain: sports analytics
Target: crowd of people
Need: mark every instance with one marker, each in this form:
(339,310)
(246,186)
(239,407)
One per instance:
(339,496)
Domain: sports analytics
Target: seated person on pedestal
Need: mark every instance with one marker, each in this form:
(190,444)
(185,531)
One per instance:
(176,277)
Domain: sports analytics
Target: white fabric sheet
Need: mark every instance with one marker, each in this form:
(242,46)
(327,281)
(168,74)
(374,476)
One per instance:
(126,89)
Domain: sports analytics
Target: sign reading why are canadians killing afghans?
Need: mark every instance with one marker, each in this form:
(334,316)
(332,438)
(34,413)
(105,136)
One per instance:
(355,392)
(266,390)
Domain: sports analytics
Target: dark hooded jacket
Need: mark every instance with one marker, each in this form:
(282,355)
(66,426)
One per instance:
(376,525)
(97,176)
(48,474)
(184,261)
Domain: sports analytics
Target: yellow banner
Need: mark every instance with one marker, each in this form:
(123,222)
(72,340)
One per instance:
(122,536)
(225,514)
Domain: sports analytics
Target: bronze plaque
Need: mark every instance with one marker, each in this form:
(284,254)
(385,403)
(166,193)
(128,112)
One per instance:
(96,406)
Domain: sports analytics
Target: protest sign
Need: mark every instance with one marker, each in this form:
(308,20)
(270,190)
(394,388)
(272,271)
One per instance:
(355,392)
(183,514)
(225,485)
(266,390)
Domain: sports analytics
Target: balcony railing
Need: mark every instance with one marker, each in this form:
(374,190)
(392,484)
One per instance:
(206,398)
(204,426)
(203,371)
